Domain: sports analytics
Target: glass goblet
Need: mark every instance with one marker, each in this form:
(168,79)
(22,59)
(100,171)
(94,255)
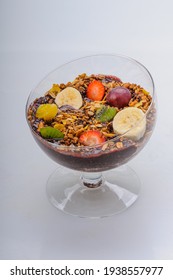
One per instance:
(93,181)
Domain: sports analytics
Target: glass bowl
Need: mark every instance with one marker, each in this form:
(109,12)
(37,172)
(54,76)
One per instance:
(93,181)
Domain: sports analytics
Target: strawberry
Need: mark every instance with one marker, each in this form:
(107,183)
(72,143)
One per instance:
(95,90)
(92,137)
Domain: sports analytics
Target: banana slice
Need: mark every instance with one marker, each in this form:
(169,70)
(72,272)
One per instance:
(130,121)
(69,96)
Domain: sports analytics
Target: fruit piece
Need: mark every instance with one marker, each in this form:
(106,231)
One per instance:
(55,88)
(145,92)
(59,126)
(112,77)
(95,90)
(49,132)
(46,111)
(118,97)
(130,121)
(105,113)
(69,96)
(92,137)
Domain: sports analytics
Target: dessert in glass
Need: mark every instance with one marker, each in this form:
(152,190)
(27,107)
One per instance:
(91,116)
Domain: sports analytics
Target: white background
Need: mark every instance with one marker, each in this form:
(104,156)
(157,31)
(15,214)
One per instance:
(36,36)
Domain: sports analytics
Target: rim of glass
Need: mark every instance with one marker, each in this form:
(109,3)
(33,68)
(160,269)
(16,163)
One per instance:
(78,148)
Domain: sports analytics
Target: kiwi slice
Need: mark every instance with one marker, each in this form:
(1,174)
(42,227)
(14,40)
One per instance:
(105,113)
(49,132)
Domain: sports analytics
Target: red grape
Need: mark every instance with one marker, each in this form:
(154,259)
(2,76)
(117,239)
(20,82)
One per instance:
(118,97)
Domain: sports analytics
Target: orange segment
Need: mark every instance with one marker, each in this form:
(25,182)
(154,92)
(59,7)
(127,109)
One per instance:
(46,111)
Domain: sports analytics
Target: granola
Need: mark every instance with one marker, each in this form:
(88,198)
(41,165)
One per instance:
(90,114)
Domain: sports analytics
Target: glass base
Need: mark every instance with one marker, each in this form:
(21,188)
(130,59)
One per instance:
(93,195)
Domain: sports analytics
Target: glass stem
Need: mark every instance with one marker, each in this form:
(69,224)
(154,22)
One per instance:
(92,179)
